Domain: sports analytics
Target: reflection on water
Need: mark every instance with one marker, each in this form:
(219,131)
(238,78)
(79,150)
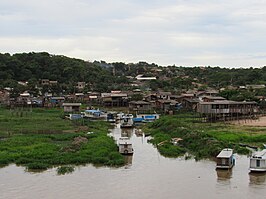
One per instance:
(146,175)
(224,174)
(128,160)
(127,132)
(257,178)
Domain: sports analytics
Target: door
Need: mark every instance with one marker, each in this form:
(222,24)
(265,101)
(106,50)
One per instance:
(258,163)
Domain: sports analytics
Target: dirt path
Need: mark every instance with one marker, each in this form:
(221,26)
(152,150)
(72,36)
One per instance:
(259,122)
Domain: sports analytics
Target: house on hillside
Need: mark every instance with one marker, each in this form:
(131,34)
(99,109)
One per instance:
(139,106)
(114,99)
(57,101)
(143,78)
(166,105)
(81,85)
(164,95)
(190,103)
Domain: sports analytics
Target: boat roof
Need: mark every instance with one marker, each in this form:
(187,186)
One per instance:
(92,111)
(260,154)
(225,153)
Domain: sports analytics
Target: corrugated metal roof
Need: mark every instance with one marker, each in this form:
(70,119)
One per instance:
(71,104)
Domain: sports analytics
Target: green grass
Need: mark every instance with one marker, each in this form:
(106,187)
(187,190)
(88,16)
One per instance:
(38,121)
(203,140)
(44,150)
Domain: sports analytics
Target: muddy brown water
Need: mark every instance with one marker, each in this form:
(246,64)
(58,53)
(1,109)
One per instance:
(147,175)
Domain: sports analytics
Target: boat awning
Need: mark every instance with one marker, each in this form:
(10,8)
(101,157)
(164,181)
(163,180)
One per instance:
(225,153)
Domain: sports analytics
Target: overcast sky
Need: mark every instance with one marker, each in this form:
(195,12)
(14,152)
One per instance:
(230,33)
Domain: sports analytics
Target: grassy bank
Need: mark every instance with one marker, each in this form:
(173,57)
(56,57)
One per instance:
(203,140)
(48,140)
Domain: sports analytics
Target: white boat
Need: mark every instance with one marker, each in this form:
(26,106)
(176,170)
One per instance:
(225,159)
(127,121)
(125,146)
(258,161)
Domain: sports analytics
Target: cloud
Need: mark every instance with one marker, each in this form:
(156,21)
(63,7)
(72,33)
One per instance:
(181,32)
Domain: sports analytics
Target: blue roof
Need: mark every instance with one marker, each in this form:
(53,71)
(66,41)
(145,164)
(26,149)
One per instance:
(138,119)
(93,111)
(149,117)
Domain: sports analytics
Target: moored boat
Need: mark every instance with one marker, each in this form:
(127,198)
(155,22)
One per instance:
(258,161)
(125,146)
(225,159)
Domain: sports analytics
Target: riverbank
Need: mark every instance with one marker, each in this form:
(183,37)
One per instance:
(41,139)
(201,140)
(260,122)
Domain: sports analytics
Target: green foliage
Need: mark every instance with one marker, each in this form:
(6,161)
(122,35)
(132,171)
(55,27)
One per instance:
(64,170)
(203,140)
(41,150)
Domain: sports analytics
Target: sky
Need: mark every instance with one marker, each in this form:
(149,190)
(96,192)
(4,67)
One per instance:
(222,33)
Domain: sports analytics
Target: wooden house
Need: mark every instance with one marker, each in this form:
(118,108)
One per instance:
(140,106)
(190,103)
(164,95)
(224,110)
(114,99)
(71,107)
(57,101)
(166,105)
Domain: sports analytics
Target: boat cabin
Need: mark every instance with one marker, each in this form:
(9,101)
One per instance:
(125,146)
(225,159)
(111,117)
(258,161)
(127,121)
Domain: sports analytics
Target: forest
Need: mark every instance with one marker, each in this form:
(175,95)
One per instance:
(104,77)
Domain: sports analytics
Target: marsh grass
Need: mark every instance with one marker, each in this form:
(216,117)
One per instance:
(41,151)
(203,140)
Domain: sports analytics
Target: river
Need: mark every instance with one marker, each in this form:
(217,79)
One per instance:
(147,175)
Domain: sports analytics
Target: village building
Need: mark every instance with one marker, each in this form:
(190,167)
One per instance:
(81,85)
(190,103)
(212,98)
(57,101)
(143,78)
(71,107)
(139,106)
(227,110)
(166,105)
(114,99)
(164,95)
(4,97)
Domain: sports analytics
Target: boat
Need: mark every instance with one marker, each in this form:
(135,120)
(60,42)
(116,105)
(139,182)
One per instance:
(94,114)
(127,121)
(125,146)
(148,117)
(111,117)
(258,161)
(225,159)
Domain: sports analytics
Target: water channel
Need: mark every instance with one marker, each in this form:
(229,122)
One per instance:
(147,175)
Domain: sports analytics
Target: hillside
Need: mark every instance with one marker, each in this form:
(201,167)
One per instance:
(103,77)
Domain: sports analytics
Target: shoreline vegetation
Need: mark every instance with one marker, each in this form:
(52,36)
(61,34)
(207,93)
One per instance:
(201,140)
(40,139)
